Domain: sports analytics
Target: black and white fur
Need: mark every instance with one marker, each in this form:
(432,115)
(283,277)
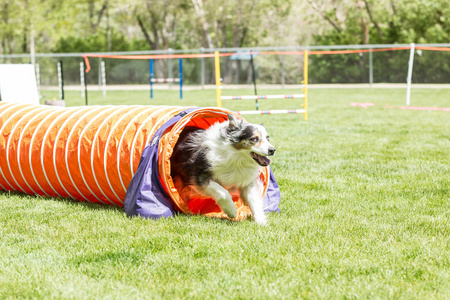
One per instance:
(226,156)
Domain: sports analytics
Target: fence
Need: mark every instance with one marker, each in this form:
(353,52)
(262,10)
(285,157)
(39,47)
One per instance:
(349,64)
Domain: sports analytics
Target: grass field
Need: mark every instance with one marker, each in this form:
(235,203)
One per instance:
(364,214)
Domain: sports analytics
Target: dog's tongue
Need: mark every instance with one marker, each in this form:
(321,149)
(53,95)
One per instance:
(261,160)
(265,161)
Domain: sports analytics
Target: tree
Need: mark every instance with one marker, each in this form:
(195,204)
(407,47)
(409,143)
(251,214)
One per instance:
(198,5)
(378,22)
(384,21)
(158,20)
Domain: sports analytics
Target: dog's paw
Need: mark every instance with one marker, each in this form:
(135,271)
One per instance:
(260,219)
(230,210)
(227,205)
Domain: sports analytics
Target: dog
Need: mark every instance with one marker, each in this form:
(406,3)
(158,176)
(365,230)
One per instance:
(226,156)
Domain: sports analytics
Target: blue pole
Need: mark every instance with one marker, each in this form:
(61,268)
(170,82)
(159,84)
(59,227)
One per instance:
(152,75)
(180,73)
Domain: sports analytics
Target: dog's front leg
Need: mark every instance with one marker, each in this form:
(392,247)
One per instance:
(221,196)
(252,196)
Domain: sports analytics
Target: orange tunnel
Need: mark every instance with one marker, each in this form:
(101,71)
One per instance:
(91,153)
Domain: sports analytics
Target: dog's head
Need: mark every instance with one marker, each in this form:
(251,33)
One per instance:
(251,138)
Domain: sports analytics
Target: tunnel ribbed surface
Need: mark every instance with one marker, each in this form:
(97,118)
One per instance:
(85,153)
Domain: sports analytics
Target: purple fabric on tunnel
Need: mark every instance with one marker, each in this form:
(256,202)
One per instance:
(146,196)
(273,197)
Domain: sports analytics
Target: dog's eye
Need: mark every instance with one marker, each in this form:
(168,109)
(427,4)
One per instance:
(254,139)
(267,138)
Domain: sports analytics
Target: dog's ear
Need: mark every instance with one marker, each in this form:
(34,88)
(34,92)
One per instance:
(262,124)
(235,123)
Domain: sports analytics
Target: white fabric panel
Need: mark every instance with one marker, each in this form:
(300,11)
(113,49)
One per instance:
(18,84)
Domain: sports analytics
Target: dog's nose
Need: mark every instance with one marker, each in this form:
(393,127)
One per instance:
(272,151)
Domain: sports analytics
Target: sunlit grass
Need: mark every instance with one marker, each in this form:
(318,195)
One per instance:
(364,214)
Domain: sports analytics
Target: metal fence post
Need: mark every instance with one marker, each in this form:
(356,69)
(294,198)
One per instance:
(152,75)
(38,77)
(99,72)
(282,71)
(103,73)
(370,67)
(409,78)
(85,84)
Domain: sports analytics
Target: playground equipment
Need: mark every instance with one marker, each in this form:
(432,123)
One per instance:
(117,155)
(256,97)
(157,80)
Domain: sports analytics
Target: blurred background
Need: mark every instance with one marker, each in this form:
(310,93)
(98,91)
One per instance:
(46,32)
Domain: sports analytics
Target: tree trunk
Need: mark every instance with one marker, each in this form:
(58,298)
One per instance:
(365,41)
(25,40)
(324,15)
(369,12)
(108,32)
(198,5)
(149,40)
(32,45)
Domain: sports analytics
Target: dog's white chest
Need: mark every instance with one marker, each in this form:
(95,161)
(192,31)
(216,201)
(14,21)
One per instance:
(235,172)
(236,178)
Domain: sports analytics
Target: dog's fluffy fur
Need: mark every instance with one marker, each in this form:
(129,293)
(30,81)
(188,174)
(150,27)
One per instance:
(225,156)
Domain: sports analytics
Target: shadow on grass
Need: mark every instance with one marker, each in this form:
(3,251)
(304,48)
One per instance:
(113,208)
(69,201)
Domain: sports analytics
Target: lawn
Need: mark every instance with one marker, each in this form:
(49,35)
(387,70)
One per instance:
(364,214)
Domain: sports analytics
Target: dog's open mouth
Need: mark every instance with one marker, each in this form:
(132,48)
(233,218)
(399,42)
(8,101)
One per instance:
(261,160)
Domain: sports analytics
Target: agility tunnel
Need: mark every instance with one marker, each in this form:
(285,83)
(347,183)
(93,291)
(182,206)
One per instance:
(117,155)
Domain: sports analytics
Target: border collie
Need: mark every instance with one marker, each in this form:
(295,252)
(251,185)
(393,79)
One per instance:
(224,157)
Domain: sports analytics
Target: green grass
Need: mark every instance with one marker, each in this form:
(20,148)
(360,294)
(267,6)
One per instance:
(364,214)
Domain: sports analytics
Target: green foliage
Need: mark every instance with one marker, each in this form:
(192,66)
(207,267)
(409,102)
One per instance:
(113,25)
(94,43)
(424,21)
(179,24)
(119,71)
